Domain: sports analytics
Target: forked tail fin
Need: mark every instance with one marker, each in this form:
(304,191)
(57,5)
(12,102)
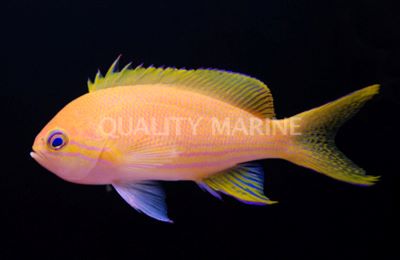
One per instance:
(315,148)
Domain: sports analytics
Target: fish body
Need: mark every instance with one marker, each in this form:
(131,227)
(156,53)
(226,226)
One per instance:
(139,126)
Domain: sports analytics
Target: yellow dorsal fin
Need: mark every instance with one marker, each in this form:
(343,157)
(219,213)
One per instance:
(236,89)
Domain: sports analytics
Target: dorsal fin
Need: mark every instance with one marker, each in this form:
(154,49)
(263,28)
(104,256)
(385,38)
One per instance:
(236,89)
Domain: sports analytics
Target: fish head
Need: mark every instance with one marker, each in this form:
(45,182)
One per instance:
(68,145)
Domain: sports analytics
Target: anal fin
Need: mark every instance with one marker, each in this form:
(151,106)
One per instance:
(245,182)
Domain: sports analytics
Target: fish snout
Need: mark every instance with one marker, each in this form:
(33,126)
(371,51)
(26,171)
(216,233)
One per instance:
(37,147)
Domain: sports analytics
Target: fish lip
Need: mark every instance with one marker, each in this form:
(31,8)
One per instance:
(36,155)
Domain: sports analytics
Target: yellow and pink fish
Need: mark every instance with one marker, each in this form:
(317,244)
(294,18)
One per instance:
(139,126)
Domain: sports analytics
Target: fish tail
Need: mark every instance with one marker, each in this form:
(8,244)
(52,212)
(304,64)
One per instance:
(314,146)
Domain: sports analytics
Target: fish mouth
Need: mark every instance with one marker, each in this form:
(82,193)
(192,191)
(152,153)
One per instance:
(39,158)
(36,155)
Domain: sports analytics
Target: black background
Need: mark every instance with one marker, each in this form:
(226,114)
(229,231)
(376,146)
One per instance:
(308,52)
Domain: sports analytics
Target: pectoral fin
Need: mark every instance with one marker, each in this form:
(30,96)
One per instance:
(244,182)
(147,197)
(144,155)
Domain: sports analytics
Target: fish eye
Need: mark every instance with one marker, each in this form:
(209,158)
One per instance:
(57,140)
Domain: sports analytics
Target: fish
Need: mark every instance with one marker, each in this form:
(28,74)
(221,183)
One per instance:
(138,127)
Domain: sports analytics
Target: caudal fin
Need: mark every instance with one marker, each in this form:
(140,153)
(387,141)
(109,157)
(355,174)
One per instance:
(315,148)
